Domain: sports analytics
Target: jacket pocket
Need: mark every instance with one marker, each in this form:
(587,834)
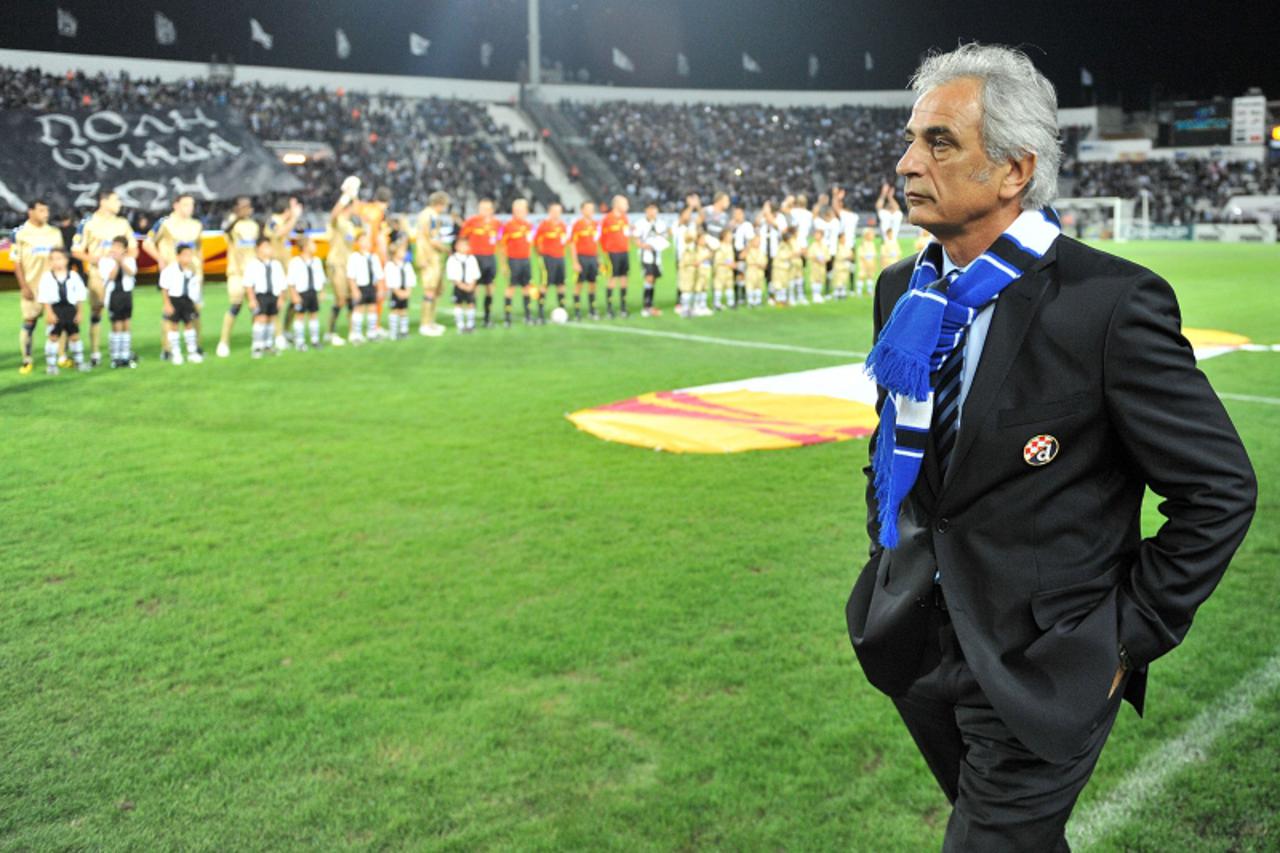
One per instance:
(1042,411)
(1052,606)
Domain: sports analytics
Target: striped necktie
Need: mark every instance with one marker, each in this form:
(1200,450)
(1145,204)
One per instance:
(311,282)
(946,397)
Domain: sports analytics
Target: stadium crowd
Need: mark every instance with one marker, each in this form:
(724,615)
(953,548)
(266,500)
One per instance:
(413,146)
(754,152)
(1182,192)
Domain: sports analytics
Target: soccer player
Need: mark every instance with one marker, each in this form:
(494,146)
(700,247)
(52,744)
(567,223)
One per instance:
(92,243)
(801,217)
(742,232)
(722,277)
(923,239)
(180,282)
(798,253)
(842,267)
(169,234)
(705,256)
(264,281)
(615,240)
(33,244)
(119,270)
(549,241)
(715,219)
(481,232)
(400,279)
(431,242)
(306,281)
(242,232)
(342,233)
(757,263)
(888,214)
(61,290)
(890,249)
(463,272)
(819,257)
(687,269)
(652,238)
(515,243)
(868,255)
(586,259)
(781,268)
(364,273)
(280,226)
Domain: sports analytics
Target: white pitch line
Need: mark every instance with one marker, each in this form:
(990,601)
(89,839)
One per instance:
(1249,398)
(1148,780)
(728,342)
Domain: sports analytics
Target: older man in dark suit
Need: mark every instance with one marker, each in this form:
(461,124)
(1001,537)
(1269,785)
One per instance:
(1031,389)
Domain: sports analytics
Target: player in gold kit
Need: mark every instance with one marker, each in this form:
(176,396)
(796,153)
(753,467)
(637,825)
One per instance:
(91,244)
(242,233)
(33,241)
(170,233)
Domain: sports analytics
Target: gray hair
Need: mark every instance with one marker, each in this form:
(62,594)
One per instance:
(1019,109)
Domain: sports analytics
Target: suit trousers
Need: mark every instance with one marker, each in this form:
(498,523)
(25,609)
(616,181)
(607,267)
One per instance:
(1004,797)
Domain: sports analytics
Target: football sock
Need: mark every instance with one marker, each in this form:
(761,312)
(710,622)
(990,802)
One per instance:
(622,298)
(77,352)
(488,308)
(51,352)
(528,313)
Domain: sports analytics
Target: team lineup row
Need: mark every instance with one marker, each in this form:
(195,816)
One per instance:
(374,264)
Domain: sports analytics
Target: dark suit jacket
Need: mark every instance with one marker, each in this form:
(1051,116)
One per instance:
(1044,569)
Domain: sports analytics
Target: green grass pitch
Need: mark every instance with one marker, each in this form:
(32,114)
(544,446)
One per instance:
(389,598)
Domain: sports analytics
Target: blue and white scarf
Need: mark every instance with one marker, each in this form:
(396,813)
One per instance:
(926,325)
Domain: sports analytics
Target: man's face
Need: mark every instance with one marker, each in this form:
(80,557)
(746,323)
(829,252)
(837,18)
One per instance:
(588,210)
(520,209)
(39,215)
(553,213)
(185,207)
(949,180)
(111,205)
(244,209)
(485,208)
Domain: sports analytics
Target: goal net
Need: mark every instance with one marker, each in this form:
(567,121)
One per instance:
(1100,218)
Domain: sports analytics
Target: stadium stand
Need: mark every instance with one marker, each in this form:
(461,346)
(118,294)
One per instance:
(414,146)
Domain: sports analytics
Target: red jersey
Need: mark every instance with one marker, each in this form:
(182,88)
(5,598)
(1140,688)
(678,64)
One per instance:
(584,238)
(549,239)
(613,232)
(481,233)
(515,238)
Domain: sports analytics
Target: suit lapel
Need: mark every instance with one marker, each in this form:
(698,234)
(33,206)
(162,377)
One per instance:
(1014,311)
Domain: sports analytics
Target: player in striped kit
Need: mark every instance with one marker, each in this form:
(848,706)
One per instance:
(265,281)
(118,270)
(61,290)
(180,282)
(306,282)
(652,239)
(364,273)
(400,279)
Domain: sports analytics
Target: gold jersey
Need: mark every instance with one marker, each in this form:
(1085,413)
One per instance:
(844,258)
(342,236)
(867,250)
(890,252)
(171,232)
(281,247)
(242,244)
(32,245)
(97,233)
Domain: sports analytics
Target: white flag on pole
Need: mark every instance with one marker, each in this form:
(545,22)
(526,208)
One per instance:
(621,60)
(867,61)
(67,23)
(418,45)
(486,53)
(750,65)
(682,65)
(1086,79)
(259,35)
(343,43)
(166,32)
(813,66)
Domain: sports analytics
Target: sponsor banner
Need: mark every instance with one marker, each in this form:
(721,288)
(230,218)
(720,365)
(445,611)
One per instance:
(148,157)
(1234,233)
(1154,231)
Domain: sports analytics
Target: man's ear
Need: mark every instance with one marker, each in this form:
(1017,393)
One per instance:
(1018,177)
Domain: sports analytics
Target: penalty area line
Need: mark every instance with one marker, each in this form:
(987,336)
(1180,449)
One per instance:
(1149,779)
(1250,398)
(728,342)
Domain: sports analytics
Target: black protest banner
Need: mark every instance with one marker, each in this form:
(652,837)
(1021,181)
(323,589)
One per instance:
(148,157)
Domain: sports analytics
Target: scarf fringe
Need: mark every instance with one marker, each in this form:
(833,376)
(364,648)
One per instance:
(886,505)
(904,371)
